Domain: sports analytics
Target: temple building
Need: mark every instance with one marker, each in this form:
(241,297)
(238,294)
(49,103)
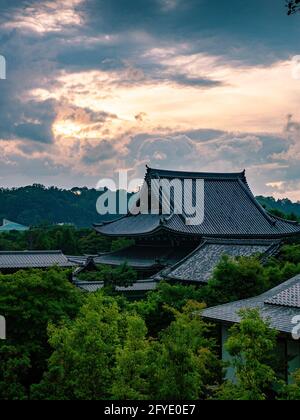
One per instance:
(13,261)
(168,246)
(9,226)
(281,308)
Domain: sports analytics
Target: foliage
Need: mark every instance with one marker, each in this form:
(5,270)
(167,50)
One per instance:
(245,277)
(284,208)
(35,204)
(131,373)
(106,354)
(81,366)
(291,392)
(185,357)
(29,300)
(154,309)
(68,239)
(293,6)
(235,279)
(251,344)
(123,276)
(105,347)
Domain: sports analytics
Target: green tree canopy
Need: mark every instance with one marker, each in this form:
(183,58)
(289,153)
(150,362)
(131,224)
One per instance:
(251,345)
(29,300)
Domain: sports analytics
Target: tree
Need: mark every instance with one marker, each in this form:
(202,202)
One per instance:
(184,362)
(81,366)
(236,279)
(251,344)
(106,353)
(132,363)
(122,276)
(293,6)
(155,308)
(30,300)
(291,392)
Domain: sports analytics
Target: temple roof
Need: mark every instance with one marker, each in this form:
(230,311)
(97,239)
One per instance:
(141,257)
(33,259)
(140,286)
(9,226)
(230,210)
(279,305)
(199,265)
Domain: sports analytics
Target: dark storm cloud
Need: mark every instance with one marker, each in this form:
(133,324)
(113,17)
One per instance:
(100,152)
(255,31)
(114,36)
(247,32)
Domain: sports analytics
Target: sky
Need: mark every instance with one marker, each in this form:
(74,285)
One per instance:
(97,86)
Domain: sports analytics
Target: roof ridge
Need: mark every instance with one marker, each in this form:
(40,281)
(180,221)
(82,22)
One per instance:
(31,252)
(195,174)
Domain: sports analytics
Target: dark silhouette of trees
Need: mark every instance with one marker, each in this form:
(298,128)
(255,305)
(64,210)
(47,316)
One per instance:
(293,6)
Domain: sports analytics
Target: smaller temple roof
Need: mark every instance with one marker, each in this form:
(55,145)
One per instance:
(279,305)
(9,226)
(33,259)
(140,286)
(142,257)
(199,265)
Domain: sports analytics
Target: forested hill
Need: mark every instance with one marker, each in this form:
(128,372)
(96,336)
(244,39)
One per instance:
(281,207)
(36,204)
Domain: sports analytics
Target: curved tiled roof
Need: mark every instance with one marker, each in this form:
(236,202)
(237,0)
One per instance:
(33,259)
(140,286)
(279,305)
(131,225)
(230,210)
(199,266)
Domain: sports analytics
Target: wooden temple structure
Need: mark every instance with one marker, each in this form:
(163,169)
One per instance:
(166,247)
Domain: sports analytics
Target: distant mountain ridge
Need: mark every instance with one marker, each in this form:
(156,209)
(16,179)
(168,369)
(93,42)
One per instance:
(285,206)
(34,205)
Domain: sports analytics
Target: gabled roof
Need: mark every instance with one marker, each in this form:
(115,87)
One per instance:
(9,226)
(33,259)
(279,305)
(230,210)
(199,265)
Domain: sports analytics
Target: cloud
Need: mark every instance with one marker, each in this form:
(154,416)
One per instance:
(98,85)
(97,153)
(44,17)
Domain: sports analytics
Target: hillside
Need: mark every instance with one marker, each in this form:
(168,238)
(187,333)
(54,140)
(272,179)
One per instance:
(286,207)
(36,204)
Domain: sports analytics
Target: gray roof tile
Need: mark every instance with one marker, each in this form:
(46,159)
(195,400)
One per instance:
(199,266)
(231,210)
(288,297)
(33,259)
(280,315)
(140,286)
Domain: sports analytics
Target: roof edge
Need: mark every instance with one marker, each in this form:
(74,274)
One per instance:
(164,173)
